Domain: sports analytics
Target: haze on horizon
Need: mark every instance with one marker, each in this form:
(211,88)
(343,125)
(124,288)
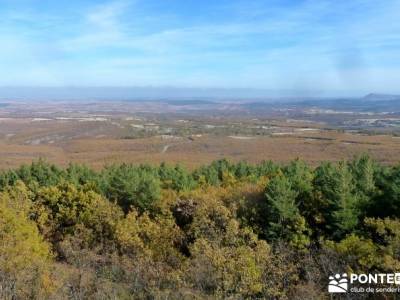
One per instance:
(310,47)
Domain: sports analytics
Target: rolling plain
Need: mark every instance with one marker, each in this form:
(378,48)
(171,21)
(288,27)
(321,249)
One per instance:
(192,132)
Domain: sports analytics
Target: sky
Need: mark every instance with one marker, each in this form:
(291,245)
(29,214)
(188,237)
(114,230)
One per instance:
(320,46)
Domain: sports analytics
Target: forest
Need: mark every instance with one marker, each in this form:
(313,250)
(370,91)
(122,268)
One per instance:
(222,231)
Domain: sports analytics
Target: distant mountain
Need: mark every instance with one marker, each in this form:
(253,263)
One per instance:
(381,97)
(189,102)
(138,93)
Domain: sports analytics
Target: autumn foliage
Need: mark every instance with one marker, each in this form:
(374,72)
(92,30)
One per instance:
(225,230)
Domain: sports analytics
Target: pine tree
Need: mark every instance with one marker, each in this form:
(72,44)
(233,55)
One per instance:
(335,186)
(284,219)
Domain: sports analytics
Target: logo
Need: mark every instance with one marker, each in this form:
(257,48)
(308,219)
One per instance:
(338,283)
(364,283)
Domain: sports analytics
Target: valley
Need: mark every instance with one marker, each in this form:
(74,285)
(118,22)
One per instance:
(99,133)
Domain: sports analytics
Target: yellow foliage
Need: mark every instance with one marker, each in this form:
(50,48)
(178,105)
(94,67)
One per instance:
(228,179)
(359,251)
(24,257)
(228,271)
(59,209)
(127,234)
(389,231)
(143,236)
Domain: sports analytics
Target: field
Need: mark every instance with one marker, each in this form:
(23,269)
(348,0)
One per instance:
(189,133)
(194,132)
(97,152)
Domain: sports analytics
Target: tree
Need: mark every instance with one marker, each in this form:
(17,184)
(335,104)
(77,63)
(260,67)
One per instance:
(386,232)
(282,213)
(227,271)
(25,259)
(60,209)
(386,203)
(177,178)
(41,173)
(360,254)
(206,176)
(130,186)
(243,170)
(335,193)
(82,175)
(364,170)
(166,233)
(300,177)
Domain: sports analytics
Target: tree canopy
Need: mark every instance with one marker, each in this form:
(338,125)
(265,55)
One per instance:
(224,230)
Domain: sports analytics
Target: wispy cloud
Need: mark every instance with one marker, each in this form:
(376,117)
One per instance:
(269,44)
(106,16)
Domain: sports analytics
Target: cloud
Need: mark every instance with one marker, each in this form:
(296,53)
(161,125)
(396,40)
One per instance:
(101,25)
(106,16)
(251,43)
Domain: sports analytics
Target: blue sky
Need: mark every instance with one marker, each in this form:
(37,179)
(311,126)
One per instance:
(332,46)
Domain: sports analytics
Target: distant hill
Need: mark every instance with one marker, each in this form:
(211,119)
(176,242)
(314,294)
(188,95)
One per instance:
(139,93)
(380,97)
(189,102)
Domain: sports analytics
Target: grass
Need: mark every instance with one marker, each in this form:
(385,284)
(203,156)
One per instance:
(96,152)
